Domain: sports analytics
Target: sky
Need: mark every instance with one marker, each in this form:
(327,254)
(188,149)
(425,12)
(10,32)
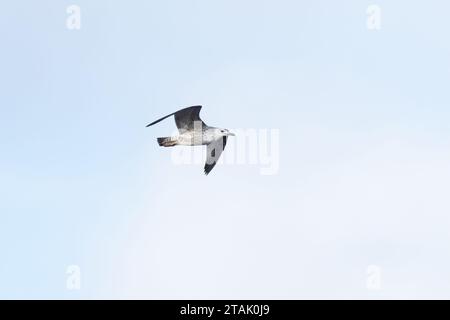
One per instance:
(357,207)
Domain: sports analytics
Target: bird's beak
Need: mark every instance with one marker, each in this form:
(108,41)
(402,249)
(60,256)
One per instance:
(231,134)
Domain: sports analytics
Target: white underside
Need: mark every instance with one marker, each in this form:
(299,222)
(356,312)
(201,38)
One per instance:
(196,139)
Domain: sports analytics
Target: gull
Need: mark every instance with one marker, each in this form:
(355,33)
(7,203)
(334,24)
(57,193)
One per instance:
(194,132)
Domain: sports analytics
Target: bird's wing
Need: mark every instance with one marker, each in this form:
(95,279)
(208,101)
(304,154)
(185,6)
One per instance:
(213,152)
(186,119)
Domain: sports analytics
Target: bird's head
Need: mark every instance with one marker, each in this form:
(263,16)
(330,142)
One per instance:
(226,132)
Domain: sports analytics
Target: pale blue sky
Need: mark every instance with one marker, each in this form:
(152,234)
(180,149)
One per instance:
(364,154)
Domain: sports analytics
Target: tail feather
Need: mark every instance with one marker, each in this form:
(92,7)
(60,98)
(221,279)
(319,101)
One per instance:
(167,141)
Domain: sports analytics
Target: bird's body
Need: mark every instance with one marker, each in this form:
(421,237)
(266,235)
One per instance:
(194,132)
(195,138)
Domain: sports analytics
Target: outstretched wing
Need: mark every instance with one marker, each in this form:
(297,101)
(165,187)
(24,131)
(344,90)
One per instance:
(213,152)
(186,119)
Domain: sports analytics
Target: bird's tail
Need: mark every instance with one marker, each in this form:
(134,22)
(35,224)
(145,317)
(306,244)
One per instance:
(167,141)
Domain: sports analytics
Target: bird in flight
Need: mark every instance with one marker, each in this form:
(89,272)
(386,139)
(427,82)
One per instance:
(194,132)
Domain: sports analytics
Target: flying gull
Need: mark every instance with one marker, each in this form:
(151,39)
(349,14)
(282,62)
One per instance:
(194,132)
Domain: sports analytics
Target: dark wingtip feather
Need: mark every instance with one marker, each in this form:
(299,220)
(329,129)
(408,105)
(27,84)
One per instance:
(208,168)
(155,122)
